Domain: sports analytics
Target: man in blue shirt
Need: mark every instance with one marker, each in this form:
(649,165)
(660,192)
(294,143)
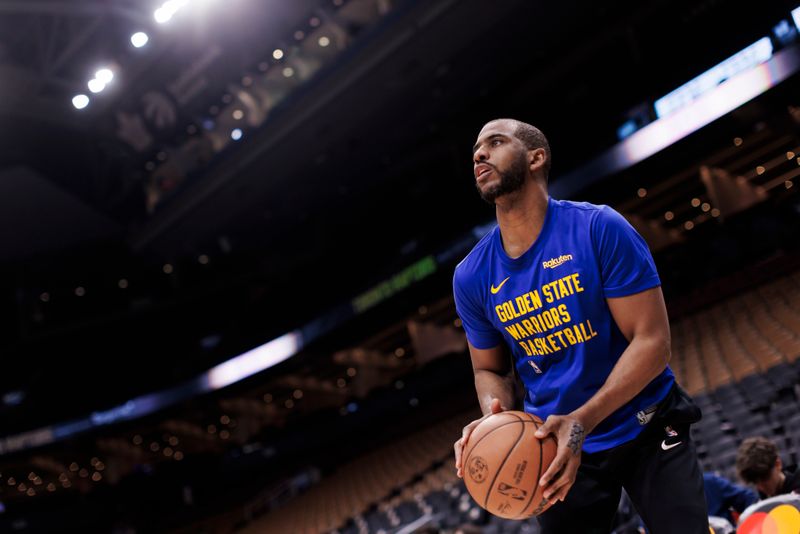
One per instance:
(572,290)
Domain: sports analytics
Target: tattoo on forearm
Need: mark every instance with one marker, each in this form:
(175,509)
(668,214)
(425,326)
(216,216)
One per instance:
(576,436)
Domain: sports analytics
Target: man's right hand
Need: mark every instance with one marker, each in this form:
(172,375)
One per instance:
(461,443)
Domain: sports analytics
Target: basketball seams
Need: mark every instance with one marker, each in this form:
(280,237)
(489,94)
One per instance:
(538,475)
(505,459)
(492,430)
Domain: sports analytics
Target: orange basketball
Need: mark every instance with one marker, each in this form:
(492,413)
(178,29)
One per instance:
(503,463)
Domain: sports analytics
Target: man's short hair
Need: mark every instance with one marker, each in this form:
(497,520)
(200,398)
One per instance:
(532,137)
(755,459)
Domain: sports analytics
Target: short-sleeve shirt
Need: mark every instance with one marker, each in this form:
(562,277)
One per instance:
(549,306)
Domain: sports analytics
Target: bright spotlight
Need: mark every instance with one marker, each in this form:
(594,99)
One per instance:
(96,85)
(324,41)
(104,75)
(277,53)
(168,9)
(236,134)
(162,15)
(80,101)
(139,39)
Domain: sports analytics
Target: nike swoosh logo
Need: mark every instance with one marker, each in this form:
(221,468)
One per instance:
(666,447)
(496,289)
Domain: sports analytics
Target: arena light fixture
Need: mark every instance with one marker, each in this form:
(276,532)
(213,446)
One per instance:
(796,17)
(254,361)
(162,15)
(139,39)
(105,75)
(743,61)
(167,10)
(96,85)
(80,101)
(236,134)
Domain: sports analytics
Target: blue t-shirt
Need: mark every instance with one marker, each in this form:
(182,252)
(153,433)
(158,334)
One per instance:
(549,305)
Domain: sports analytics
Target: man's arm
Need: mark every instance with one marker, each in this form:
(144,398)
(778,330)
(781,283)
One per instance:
(642,319)
(494,385)
(493,377)
(736,496)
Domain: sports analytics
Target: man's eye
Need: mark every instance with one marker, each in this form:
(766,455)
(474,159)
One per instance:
(496,142)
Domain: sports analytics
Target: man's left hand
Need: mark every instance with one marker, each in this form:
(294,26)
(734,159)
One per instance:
(559,477)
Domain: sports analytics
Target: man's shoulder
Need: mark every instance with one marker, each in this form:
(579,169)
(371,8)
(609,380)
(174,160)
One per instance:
(717,483)
(475,260)
(574,208)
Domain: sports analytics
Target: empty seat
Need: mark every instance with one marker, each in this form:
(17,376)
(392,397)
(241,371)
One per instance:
(783,375)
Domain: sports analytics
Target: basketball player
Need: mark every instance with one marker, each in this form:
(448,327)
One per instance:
(572,290)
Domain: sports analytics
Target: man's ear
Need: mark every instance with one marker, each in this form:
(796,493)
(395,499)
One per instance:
(536,158)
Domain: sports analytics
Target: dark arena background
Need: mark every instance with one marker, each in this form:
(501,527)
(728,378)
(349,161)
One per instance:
(228,230)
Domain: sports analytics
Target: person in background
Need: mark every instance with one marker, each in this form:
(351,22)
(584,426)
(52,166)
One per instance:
(759,464)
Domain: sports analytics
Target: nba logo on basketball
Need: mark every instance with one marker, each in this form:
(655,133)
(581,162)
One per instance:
(478,469)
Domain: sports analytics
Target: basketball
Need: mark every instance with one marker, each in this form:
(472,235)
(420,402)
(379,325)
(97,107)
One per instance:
(503,463)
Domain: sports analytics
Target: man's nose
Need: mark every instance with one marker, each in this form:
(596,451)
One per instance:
(480,155)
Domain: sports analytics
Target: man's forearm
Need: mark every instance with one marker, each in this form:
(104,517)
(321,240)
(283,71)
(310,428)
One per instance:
(490,385)
(642,361)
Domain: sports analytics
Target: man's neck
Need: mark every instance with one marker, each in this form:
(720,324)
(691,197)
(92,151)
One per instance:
(520,217)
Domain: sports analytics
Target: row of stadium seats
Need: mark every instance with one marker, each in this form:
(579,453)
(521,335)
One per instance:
(738,337)
(764,404)
(354,488)
(740,361)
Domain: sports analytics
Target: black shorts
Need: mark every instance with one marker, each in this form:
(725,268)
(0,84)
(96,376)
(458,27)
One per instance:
(659,471)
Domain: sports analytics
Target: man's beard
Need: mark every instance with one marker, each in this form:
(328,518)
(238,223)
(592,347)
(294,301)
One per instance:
(511,181)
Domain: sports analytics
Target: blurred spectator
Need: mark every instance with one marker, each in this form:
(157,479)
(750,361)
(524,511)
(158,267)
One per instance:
(722,495)
(758,463)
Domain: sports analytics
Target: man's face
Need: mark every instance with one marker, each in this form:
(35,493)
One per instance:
(499,161)
(772,484)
